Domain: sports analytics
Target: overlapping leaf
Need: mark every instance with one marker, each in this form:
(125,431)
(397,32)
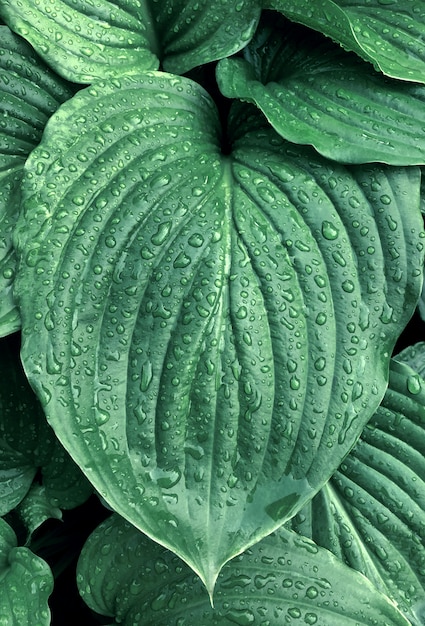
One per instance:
(414,356)
(385,32)
(282,580)
(28,444)
(84,41)
(371,514)
(34,509)
(208,334)
(26,583)
(29,94)
(313,92)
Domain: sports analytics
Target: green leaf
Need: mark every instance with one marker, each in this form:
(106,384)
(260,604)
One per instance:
(283,579)
(381,31)
(27,443)
(85,42)
(208,333)
(29,94)
(33,510)
(313,92)
(26,583)
(371,514)
(414,356)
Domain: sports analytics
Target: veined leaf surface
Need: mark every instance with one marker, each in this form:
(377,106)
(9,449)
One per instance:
(387,33)
(29,94)
(284,579)
(313,92)
(26,583)
(86,41)
(218,327)
(371,514)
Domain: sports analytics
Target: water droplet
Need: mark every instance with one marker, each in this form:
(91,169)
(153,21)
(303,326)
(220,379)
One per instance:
(294,383)
(196,240)
(321,319)
(311,592)
(265,194)
(165,479)
(242,617)
(247,338)
(348,286)
(140,413)
(242,313)
(101,416)
(357,391)
(240,580)
(414,384)
(338,258)
(261,581)
(392,224)
(146,376)
(162,233)
(329,230)
(182,261)
(110,241)
(320,364)
(160,602)
(385,199)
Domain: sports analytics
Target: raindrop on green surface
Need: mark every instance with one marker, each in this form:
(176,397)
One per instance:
(242,617)
(414,384)
(329,230)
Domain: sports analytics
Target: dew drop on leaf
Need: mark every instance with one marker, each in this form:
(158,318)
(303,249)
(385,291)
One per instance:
(414,384)
(348,286)
(329,230)
(242,617)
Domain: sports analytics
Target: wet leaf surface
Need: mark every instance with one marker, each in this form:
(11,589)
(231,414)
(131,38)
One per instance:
(208,333)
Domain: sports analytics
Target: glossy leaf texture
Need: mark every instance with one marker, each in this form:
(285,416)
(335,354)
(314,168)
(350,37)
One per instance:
(371,514)
(85,42)
(28,444)
(26,583)
(208,333)
(284,579)
(384,32)
(313,92)
(29,94)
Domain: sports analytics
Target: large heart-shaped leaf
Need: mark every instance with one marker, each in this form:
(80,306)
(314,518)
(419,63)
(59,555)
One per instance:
(85,41)
(313,92)
(26,583)
(208,333)
(29,94)
(285,579)
(371,514)
(387,33)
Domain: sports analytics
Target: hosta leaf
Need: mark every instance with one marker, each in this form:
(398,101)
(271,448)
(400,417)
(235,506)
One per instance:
(384,32)
(84,41)
(29,94)
(282,580)
(313,92)
(33,510)
(414,356)
(208,333)
(26,583)
(27,444)
(371,514)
